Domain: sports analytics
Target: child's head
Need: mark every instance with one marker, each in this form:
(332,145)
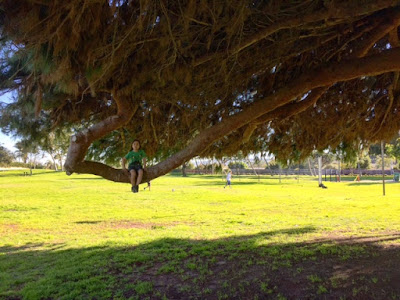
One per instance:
(135,145)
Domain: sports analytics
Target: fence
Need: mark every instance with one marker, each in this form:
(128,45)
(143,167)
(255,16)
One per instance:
(289,171)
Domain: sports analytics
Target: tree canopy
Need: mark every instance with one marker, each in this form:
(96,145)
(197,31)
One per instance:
(205,78)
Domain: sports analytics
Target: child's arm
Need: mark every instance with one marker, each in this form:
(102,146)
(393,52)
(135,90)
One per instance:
(123,163)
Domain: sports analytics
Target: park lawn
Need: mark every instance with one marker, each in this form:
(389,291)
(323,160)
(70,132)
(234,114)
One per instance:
(82,237)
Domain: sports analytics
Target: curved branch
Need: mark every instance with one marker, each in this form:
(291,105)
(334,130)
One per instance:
(80,142)
(387,61)
(103,170)
(390,24)
(285,111)
(327,75)
(392,21)
(292,109)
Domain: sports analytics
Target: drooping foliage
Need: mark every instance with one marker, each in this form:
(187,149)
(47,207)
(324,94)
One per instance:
(186,66)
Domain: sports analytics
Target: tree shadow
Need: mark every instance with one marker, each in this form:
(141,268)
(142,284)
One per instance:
(369,183)
(266,265)
(222,183)
(14,173)
(26,173)
(87,222)
(85,178)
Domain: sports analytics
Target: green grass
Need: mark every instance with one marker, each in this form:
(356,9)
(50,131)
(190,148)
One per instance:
(82,237)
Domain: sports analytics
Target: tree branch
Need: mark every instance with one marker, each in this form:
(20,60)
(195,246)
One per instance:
(388,25)
(326,75)
(80,142)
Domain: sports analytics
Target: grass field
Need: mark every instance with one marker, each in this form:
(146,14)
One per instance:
(82,237)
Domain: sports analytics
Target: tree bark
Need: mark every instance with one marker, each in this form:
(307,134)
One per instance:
(326,75)
(309,166)
(80,142)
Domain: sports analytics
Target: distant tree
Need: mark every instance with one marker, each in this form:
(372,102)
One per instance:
(6,156)
(237,165)
(56,144)
(28,151)
(387,160)
(23,150)
(365,162)
(393,149)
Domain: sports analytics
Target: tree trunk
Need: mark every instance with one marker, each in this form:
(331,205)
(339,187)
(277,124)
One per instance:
(197,167)
(319,170)
(309,166)
(184,165)
(54,162)
(280,173)
(61,162)
(252,167)
(383,166)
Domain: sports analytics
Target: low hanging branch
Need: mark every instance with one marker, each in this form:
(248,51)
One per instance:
(391,22)
(81,141)
(387,61)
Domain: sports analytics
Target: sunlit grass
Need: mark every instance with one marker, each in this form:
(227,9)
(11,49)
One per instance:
(97,239)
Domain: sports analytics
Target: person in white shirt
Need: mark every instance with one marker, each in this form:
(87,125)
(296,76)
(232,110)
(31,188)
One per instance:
(228,179)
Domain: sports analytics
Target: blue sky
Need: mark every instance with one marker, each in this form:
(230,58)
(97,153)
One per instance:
(7,142)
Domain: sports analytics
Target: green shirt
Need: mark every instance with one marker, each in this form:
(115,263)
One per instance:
(133,156)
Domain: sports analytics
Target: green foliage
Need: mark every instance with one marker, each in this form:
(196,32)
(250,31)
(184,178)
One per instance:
(190,166)
(393,149)
(365,162)
(273,166)
(387,162)
(6,157)
(237,165)
(19,164)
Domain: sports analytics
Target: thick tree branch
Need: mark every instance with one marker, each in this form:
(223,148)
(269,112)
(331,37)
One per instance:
(81,141)
(326,75)
(284,111)
(391,22)
(388,25)
(294,108)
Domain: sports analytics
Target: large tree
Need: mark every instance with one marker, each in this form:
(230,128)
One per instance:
(201,78)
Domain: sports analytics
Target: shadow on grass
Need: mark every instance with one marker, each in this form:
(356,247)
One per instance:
(370,183)
(87,222)
(14,173)
(86,178)
(222,183)
(26,173)
(264,265)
